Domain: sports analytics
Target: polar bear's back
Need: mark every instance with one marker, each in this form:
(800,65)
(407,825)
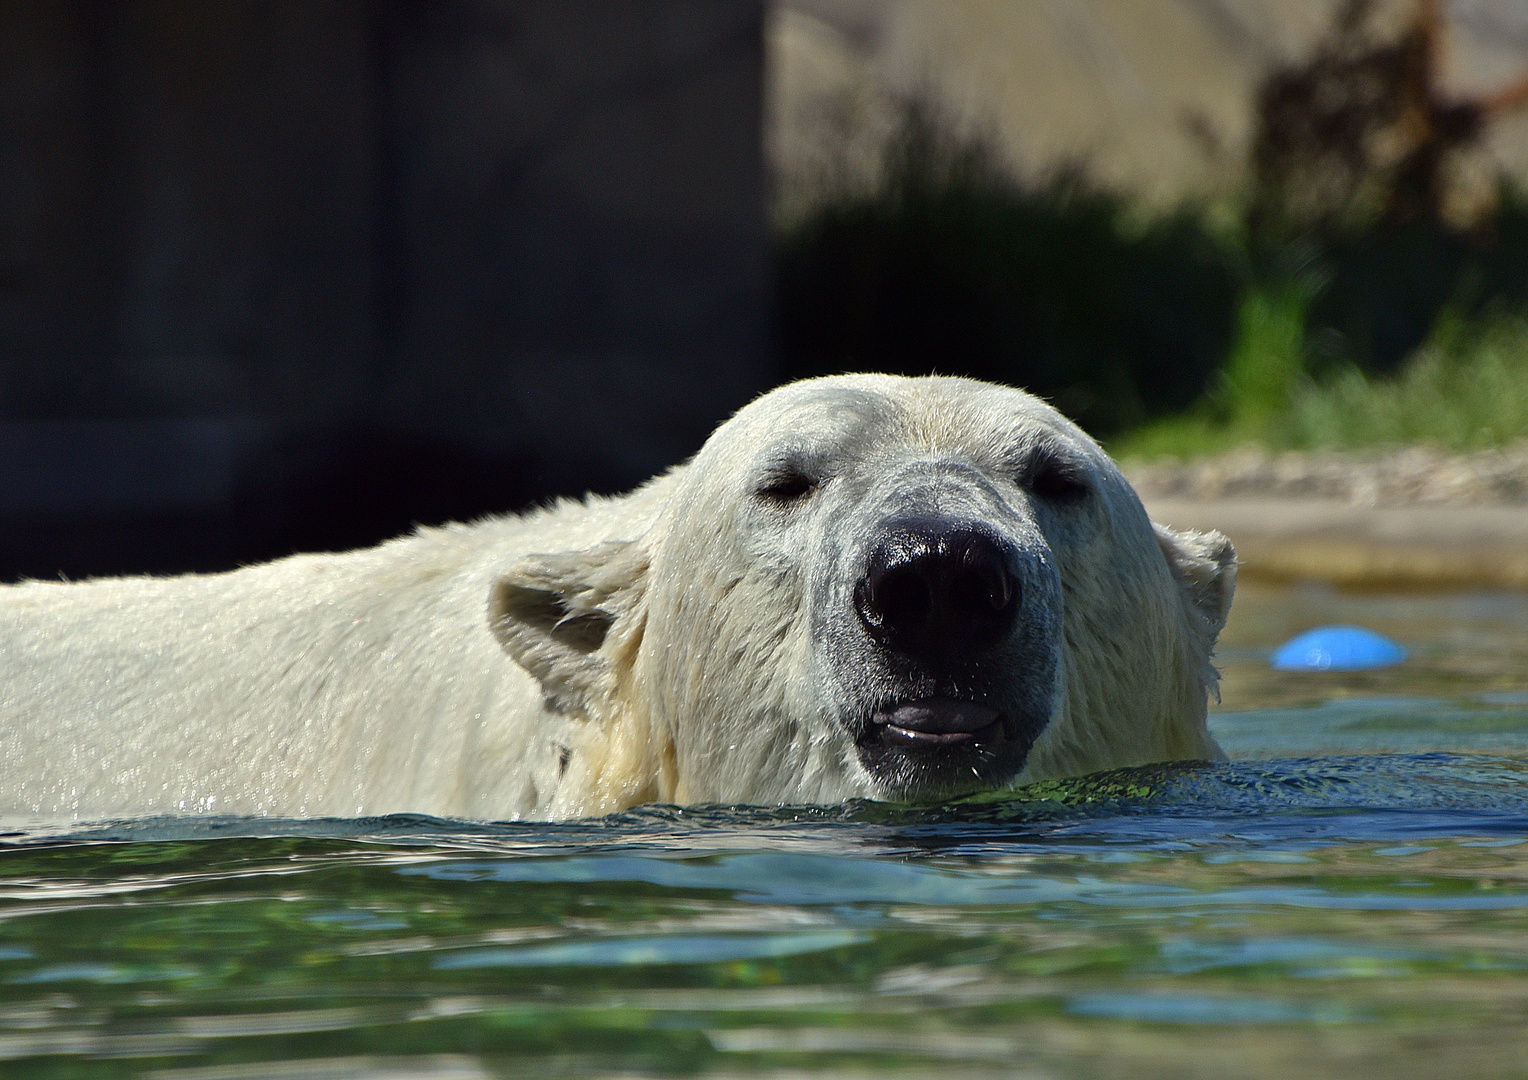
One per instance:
(319,684)
(359,683)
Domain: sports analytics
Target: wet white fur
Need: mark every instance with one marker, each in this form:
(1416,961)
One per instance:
(415,676)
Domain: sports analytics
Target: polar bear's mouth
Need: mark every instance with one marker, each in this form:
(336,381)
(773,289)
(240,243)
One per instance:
(939,747)
(937,721)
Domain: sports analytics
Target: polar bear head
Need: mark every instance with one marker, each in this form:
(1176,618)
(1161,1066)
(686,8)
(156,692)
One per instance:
(876,586)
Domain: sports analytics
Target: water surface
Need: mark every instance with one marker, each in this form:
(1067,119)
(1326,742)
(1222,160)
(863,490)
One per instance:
(1349,896)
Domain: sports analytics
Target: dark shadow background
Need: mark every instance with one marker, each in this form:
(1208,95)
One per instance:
(284,275)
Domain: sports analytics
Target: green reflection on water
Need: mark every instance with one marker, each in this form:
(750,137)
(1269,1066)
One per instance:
(120,959)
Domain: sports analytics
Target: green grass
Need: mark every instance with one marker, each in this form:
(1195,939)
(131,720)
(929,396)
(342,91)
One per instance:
(1465,389)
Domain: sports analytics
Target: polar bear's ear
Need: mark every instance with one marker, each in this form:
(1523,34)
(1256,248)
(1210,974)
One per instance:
(1204,565)
(556,614)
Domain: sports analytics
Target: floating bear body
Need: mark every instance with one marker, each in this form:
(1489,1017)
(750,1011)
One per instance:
(861,586)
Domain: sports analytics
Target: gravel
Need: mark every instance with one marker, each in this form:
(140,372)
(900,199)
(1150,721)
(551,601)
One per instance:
(1408,476)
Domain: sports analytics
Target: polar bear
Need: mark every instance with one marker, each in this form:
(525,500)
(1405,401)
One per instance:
(861,586)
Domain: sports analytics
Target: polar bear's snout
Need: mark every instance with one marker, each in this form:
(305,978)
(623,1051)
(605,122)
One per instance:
(956,616)
(936,589)
(938,593)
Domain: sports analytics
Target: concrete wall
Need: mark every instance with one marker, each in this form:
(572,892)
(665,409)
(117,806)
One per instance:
(1154,97)
(366,262)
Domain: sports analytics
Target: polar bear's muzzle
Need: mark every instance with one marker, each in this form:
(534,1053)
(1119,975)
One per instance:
(958,656)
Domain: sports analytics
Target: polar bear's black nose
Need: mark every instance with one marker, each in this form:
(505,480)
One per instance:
(936,591)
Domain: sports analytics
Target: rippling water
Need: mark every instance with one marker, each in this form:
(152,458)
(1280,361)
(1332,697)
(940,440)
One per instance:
(1351,896)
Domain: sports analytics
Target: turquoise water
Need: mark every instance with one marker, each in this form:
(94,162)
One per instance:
(1350,896)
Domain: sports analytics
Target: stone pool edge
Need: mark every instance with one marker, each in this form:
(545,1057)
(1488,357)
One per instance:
(1431,546)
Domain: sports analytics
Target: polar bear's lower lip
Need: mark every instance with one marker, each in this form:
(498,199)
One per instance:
(937,722)
(891,733)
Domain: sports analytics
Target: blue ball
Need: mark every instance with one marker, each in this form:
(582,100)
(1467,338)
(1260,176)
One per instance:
(1337,648)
